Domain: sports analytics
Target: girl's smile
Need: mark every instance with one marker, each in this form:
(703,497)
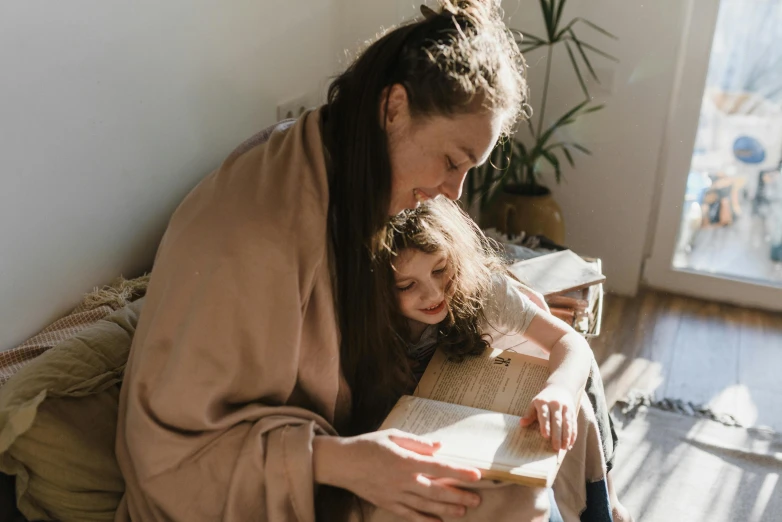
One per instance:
(436,309)
(421,280)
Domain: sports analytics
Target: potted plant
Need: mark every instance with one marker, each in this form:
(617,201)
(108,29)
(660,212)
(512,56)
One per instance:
(508,188)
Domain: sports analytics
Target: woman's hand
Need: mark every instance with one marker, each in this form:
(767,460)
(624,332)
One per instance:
(395,471)
(555,410)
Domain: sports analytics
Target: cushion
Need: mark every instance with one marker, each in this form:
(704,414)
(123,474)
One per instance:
(58,420)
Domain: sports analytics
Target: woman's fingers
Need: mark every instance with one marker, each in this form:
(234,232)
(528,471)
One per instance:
(438,470)
(411,514)
(429,466)
(415,444)
(396,471)
(442,492)
(429,497)
(432,507)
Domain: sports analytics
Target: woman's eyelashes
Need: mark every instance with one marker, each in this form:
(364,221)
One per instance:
(450,164)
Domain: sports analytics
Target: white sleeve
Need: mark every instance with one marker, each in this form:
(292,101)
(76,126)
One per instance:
(507,309)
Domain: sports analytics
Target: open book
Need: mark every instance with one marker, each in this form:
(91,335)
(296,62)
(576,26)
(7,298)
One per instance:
(473,408)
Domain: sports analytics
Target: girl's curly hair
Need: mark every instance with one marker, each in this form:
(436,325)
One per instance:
(440,226)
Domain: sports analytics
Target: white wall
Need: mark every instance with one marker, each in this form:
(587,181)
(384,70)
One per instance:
(607,199)
(111,111)
(361,21)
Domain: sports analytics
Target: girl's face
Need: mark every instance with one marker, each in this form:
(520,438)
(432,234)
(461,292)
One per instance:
(430,157)
(421,283)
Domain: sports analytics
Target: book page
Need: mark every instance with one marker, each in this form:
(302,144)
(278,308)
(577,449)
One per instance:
(476,437)
(498,381)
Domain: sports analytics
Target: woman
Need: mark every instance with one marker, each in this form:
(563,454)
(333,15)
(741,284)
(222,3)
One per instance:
(260,365)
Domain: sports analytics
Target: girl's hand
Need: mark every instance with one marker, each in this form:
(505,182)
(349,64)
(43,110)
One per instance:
(555,411)
(395,471)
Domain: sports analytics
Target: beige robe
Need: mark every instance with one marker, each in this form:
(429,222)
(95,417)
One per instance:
(235,364)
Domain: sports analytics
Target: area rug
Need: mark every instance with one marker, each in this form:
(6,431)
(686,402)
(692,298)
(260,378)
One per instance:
(683,465)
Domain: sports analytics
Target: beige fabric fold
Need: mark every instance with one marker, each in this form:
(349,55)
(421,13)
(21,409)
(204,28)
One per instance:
(235,364)
(584,463)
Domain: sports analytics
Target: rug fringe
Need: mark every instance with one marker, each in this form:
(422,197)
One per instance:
(637,399)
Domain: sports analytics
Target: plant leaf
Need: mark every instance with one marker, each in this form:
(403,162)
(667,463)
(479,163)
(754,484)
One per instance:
(595,108)
(531,48)
(599,29)
(568,156)
(564,145)
(565,119)
(548,17)
(582,149)
(598,51)
(566,28)
(531,127)
(552,159)
(558,16)
(524,160)
(522,148)
(584,56)
(576,69)
(525,36)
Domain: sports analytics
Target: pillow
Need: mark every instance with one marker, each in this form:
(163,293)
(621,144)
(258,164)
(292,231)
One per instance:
(58,421)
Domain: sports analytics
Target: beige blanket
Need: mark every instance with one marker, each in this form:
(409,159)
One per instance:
(235,364)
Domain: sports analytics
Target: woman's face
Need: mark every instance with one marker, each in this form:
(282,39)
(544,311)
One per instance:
(421,280)
(431,156)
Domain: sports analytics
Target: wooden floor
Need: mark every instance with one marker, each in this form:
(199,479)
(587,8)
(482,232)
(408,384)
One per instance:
(683,348)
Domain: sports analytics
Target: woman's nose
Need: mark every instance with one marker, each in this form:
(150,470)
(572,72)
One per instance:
(452,187)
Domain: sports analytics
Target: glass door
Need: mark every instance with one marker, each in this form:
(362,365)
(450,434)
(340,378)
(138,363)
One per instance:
(719,227)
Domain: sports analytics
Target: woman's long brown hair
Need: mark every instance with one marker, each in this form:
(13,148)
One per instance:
(447,62)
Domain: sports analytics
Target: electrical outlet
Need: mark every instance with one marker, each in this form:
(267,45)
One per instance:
(294,107)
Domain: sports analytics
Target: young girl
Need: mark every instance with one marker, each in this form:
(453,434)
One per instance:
(450,285)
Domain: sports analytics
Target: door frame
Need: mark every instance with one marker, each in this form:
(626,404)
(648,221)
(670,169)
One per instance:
(675,161)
